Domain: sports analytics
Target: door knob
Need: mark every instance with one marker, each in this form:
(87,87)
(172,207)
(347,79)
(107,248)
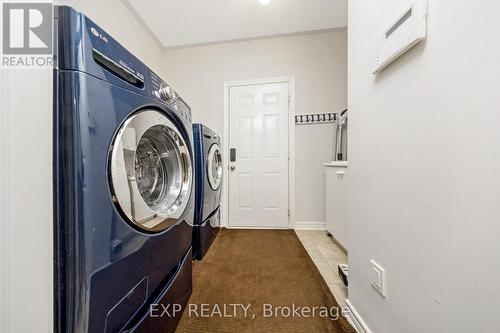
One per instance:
(232,167)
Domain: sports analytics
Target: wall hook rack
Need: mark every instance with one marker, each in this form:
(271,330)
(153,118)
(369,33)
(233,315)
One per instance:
(316,118)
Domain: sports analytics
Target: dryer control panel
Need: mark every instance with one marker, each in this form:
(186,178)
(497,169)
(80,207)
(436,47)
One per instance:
(162,91)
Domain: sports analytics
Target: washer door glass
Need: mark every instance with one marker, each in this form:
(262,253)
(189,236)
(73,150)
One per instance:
(214,166)
(151,171)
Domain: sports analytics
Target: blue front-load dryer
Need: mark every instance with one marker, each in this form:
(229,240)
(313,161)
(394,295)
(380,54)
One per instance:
(124,186)
(208,180)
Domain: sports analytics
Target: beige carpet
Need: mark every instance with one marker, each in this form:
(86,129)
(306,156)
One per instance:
(254,268)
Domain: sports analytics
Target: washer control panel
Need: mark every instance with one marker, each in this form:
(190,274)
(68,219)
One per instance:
(166,94)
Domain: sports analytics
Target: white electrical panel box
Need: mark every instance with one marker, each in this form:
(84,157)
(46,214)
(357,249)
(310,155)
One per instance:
(408,29)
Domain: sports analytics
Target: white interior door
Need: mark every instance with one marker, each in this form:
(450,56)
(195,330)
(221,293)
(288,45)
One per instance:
(258,173)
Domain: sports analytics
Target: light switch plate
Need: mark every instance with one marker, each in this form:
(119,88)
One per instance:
(378,278)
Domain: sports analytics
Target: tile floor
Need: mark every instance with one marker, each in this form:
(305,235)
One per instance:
(326,254)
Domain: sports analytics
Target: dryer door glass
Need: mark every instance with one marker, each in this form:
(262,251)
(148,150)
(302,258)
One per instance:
(151,171)
(214,166)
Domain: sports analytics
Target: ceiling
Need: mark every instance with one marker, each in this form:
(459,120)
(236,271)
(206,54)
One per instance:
(178,23)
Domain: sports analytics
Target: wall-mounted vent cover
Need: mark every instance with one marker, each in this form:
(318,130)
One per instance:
(402,20)
(408,29)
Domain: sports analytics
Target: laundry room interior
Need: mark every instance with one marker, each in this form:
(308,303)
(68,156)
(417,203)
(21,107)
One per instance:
(250,166)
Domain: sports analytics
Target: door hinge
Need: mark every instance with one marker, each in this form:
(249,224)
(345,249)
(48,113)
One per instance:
(288,211)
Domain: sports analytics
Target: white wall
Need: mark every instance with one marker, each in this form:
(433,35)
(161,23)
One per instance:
(26,255)
(319,64)
(424,160)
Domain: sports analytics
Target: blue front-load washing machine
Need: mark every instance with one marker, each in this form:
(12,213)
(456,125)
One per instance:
(124,186)
(208,180)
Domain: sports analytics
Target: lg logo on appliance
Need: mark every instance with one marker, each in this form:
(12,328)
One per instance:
(27,28)
(97,34)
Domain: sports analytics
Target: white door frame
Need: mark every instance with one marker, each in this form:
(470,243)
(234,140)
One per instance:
(5,221)
(291,146)
(16,259)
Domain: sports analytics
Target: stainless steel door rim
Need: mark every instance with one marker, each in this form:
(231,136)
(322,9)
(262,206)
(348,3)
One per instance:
(151,171)
(214,166)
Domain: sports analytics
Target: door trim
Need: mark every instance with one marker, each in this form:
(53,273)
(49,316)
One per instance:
(291,145)
(36,123)
(5,227)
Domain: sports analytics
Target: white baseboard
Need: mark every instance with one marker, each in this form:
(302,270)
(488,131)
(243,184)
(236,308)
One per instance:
(309,225)
(257,227)
(355,319)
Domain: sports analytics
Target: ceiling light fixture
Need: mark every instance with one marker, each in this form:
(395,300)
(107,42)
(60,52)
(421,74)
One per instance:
(264,2)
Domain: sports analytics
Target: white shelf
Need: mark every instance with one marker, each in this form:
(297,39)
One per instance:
(342,164)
